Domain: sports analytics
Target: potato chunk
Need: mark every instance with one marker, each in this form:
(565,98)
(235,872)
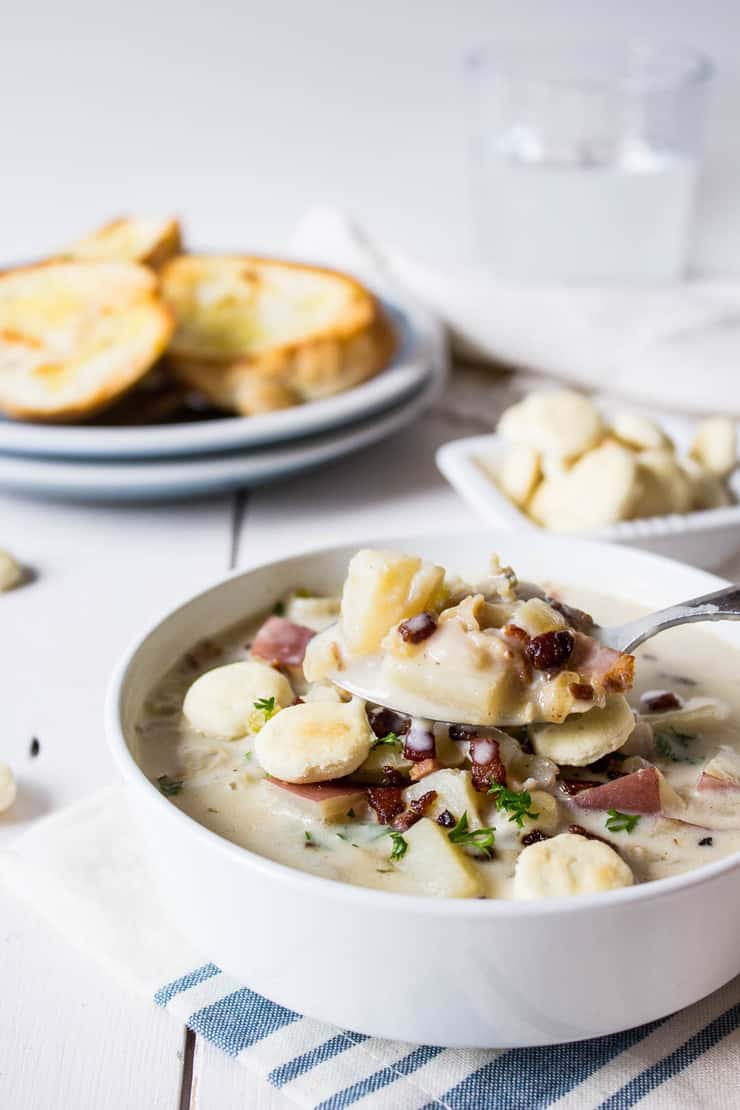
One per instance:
(436,866)
(381,589)
(535,616)
(455,793)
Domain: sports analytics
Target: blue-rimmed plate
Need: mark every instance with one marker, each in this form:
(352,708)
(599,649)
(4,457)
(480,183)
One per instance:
(162,479)
(404,375)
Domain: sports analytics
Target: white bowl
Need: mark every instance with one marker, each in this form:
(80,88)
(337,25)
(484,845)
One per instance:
(448,972)
(707,538)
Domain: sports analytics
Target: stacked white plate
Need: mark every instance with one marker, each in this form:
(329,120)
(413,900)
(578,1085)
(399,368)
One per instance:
(159,462)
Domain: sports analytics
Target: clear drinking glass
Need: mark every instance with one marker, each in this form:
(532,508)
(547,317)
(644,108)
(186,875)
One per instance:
(584,159)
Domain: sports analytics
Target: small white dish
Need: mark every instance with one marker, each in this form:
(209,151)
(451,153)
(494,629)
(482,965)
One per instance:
(706,538)
(406,373)
(480,973)
(163,479)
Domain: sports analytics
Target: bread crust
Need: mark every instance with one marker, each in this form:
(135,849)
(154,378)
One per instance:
(28,349)
(321,361)
(290,374)
(164,246)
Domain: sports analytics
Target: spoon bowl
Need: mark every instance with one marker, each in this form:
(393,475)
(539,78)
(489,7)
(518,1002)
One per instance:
(362,678)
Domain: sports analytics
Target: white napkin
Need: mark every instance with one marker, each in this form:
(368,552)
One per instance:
(675,346)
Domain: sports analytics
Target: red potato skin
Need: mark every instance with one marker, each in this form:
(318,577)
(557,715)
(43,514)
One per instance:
(319,791)
(635,793)
(709,782)
(282,642)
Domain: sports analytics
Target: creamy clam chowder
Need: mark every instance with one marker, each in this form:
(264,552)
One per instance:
(529,761)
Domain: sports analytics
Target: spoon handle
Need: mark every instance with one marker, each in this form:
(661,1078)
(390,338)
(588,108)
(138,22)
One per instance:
(723,605)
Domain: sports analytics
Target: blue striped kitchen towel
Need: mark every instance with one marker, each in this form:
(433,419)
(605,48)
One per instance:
(689,1060)
(84,870)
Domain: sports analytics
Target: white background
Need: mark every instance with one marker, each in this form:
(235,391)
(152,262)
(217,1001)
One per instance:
(240,115)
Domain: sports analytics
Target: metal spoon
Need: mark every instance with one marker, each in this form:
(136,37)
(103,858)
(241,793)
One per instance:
(723,605)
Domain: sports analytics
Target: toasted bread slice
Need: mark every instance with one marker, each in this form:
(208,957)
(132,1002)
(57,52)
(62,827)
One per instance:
(75,336)
(243,322)
(234,386)
(130,239)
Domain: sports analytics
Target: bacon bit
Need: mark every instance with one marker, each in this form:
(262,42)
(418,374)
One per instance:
(419,743)
(382,721)
(415,812)
(658,703)
(517,641)
(461,732)
(281,642)
(392,776)
(421,770)
(297,701)
(525,743)
(487,765)
(609,765)
(417,628)
(578,830)
(582,691)
(534,837)
(446,820)
(516,634)
(613,670)
(575,786)
(551,650)
(387,801)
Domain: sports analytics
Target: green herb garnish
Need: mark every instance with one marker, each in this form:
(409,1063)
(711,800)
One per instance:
(664,745)
(400,846)
(310,842)
(168,786)
(389,738)
(266,706)
(247,755)
(481,839)
(515,803)
(278,609)
(621,822)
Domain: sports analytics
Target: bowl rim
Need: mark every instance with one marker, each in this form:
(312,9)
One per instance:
(367,897)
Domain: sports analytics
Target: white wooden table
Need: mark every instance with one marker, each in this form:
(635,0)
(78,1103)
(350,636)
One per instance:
(70,1037)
